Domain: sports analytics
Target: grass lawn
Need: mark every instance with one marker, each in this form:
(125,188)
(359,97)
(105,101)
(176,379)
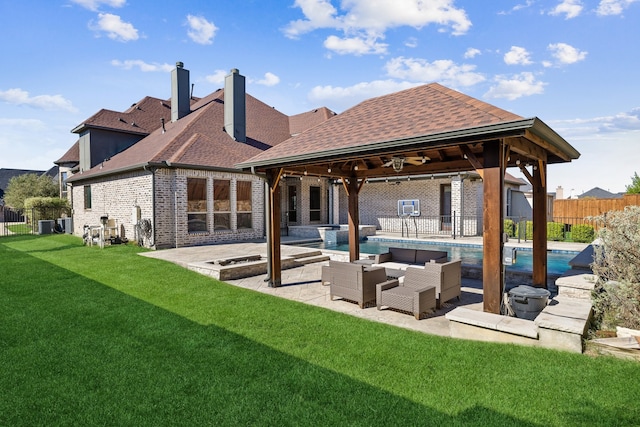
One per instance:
(94,336)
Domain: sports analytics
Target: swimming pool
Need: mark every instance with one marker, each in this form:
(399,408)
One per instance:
(557,261)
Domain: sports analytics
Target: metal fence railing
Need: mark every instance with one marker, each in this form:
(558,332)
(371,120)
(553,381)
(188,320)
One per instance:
(34,221)
(520,228)
(437,225)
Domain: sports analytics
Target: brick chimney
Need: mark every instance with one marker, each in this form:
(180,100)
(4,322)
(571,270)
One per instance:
(235,121)
(180,97)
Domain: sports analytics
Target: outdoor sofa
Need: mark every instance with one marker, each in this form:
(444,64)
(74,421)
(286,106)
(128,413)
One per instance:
(398,259)
(353,282)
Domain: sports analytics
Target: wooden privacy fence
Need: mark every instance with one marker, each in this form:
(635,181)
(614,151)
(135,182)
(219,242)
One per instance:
(584,208)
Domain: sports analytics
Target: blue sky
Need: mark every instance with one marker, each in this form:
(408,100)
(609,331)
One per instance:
(572,63)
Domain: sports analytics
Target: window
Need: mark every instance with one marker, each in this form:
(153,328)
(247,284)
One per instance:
(243,204)
(314,204)
(197,204)
(293,204)
(87,197)
(221,204)
(63,184)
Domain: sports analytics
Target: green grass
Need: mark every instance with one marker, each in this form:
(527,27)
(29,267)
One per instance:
(19,228)
(94,336)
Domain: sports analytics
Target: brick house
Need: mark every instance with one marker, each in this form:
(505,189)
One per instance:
(168,180)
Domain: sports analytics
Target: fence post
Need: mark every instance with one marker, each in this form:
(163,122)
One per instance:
(453,225)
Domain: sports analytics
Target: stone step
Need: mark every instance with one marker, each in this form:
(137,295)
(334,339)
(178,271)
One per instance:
(312,259)
(307,254)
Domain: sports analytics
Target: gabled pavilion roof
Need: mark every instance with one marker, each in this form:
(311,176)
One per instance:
(428,121)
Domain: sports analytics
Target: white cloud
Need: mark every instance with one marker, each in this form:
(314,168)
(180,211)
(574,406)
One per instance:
(26,124)
(613,166)
(472,52)
(620,122)
(570,9)
(517,56)
(340,98)
(517,7)
(411,42)
(200,30)
(269,79)
(566,54)
(369,21)
(115,27)
(519,85)
(43,102)
(140,64)
(355,45)
(444,71)
(94,5)
(217,77)
(613,7)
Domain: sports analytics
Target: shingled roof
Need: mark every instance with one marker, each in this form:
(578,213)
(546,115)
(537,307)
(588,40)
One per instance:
(143,117)
(421,110)
(199,140)
(430,122)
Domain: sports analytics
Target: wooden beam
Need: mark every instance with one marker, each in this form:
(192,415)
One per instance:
(539,254)
(526,148)
(471,157)
(526,173)
(545,145)
(493,226)
(273,180)
(354,220)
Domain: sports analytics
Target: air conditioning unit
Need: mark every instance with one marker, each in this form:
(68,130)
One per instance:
(46,226)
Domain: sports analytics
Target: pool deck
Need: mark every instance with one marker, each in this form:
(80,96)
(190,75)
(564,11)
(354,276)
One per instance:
(302,284)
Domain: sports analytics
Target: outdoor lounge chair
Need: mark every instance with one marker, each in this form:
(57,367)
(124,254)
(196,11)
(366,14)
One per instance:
(354,282)
(413,295)
(446,277)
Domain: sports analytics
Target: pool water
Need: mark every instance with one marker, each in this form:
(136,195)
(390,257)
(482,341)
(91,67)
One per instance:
(557,261)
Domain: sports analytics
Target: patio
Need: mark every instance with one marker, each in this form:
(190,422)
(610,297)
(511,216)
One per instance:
(303,284)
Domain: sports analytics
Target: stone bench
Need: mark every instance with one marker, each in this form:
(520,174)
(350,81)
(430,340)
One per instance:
(576,284)
(561,325)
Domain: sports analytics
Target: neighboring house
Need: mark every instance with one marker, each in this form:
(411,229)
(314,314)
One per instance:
(599,193)
(175,185)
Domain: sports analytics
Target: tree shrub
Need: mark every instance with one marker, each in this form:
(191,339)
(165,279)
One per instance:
(527,233)
(583,233)
(22,187)
(44,208)
(555,231)
(617,266)
(510,227)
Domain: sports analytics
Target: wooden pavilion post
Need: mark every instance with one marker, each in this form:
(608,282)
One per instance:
(540,225)
(275,265)
(492,226)
(353,189)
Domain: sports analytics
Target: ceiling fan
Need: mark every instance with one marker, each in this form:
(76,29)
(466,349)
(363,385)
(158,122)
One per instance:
(397,162)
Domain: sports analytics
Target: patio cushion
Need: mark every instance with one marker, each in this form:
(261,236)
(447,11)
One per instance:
(423,256)
(403,255)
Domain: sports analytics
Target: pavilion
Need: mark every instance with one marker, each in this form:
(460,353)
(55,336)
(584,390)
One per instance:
(428,129)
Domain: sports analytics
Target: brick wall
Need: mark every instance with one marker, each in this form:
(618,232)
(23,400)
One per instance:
(116,196)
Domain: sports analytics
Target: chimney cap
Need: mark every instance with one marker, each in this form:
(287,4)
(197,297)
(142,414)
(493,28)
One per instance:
(179,64)
(235,71)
